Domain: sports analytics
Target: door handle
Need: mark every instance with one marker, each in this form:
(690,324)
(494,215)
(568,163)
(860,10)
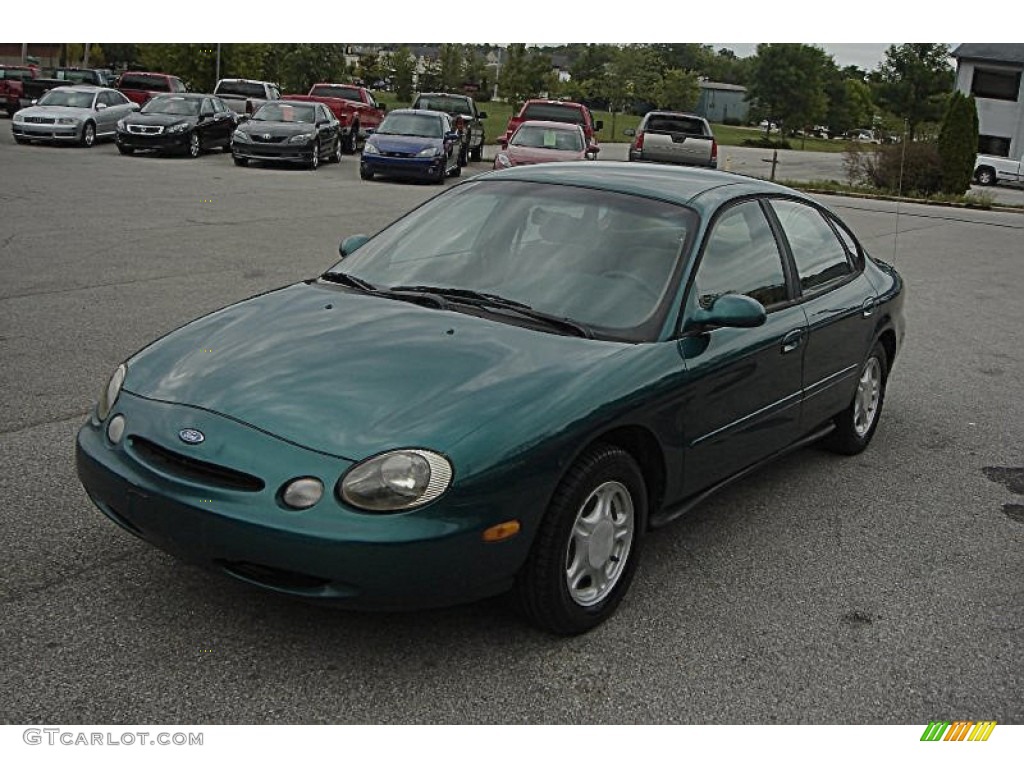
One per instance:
(868,307)
(792,340)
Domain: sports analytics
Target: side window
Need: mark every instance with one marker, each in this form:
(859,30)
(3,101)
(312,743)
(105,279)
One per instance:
(741,256)
(207,106)
(851,245)
(104,99)
(819,255)
(218,105)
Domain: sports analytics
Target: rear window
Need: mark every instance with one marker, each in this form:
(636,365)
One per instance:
(559,113)
(15,74)
(144,82)
(675,124)
(337,92)
(240,88)
(449,104)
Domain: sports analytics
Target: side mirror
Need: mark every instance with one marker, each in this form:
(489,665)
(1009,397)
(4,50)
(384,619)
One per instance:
(729,311)
(350,244)
(135,107)
(100,107)
(629,132)
(598,125)
(453,136)
(481,115)
(34,101)
(243,118)
(370,131)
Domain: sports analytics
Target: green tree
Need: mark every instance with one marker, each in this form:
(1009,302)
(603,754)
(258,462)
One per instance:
(787,83)
(850,102)
(404,67)
(297,66)
(914,81)
(525,73)
(958,143)
(451,64)
(678,90)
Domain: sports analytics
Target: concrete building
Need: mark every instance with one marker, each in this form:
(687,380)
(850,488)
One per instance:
(991,72)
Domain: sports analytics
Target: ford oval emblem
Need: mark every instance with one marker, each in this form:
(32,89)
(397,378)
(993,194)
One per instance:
(191,436)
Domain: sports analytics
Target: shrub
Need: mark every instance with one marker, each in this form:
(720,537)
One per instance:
(767,143)
(732,121)
(908,167)
(958,144)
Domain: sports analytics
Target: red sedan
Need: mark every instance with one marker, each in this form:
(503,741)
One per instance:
(542,141)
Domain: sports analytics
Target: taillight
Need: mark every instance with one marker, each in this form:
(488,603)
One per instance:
(714,151)
(638,142)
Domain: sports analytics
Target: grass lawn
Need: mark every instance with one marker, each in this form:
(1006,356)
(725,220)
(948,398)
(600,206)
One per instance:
(499,112)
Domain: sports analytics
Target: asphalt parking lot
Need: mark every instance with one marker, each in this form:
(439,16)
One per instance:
(883,588)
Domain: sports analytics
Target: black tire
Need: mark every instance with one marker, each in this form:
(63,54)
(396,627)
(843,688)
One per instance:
(195,145)
(542,587)
(88,135)
(985,176)
(227,145)
(476,154)
(352,140)
(314,158)
(125,150)
(336,154)
(365,173)
(21,140)
(242,161)
(455,172)
(463,155)
(857,424)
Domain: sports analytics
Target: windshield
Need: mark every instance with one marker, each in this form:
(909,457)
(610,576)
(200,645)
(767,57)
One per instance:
(450,104)
(556,113)
(286,113)
(171,105)
(407,124)
(603,259)
(337,92)
(541,137)
(55,98)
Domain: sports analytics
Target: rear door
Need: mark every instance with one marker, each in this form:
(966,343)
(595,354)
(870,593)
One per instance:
(676,139)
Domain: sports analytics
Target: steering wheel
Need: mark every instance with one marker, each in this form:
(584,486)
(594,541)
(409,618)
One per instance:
(617,274)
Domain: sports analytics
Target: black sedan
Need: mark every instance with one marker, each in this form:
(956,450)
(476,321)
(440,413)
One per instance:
(288,132)
(180,122)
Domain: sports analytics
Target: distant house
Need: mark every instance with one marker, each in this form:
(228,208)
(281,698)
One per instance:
(991,72)
(721,101)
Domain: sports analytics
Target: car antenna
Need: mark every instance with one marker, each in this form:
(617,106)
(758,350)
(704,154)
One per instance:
(899,191)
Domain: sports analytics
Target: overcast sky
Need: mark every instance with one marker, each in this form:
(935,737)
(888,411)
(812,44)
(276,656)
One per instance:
(867,56)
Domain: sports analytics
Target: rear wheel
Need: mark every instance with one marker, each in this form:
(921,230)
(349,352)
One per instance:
(588,544)
(336,156)
(352,140)
(476,154)
(857,424)
(985,176)
(88,135)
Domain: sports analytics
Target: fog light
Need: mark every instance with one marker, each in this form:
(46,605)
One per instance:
(302,493)
(115,429)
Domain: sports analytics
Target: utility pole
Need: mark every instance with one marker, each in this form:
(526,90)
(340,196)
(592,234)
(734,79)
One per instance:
(85,56)
(24,53)
(217,78)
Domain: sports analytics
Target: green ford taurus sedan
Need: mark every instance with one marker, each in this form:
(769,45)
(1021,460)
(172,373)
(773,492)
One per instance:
(504,390)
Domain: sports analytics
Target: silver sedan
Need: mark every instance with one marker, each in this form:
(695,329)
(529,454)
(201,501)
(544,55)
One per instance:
(76,114)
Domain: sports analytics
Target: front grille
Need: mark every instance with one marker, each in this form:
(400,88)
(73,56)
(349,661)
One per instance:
(148,130)
(266,138)
(272,577)
(399,154)
(41,120)
(192,469)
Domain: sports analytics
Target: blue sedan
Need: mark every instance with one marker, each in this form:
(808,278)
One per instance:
(412,143)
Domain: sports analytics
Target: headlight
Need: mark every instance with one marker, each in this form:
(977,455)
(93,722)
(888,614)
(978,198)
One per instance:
(110,393)
(121,125)
(66,121)
(177,128)
(370,149)
(301,138)
(18,118)
(502,160)
(241,136)
(396,481)
(429,152)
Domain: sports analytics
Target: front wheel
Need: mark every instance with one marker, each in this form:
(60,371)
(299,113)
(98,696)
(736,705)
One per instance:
(365,173)
(314,160)
(336,155)
(476,154)
(125,150)
(985,176)
(857,424)
(193,145)
(88,135)
(243,161)
(588,545)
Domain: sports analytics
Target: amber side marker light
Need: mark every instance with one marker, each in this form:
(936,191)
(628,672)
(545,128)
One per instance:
(502,531)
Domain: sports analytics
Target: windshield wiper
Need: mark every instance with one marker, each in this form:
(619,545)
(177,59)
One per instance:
(350,280)
(494,301)
(418,297)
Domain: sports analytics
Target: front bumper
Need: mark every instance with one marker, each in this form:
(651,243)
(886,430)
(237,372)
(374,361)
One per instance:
(47,132)
(411,167)
(160,142)
(281,152)
(429,557)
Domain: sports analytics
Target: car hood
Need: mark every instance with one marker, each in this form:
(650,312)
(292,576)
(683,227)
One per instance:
(159,118)
(350,374)
(44,111)
(275,128)
(531,155)
(393,143)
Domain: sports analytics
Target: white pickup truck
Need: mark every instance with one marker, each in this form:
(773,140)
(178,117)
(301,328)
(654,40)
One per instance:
(989,169)
(246,96)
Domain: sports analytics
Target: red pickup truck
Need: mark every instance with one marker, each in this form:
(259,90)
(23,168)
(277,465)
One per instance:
(559,112)
(353,105)
(11,89)
(140,87)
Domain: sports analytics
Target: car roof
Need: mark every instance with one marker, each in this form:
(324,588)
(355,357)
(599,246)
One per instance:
(701,188)
(556,124)
(82,88)
(188,95)
(433,112)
